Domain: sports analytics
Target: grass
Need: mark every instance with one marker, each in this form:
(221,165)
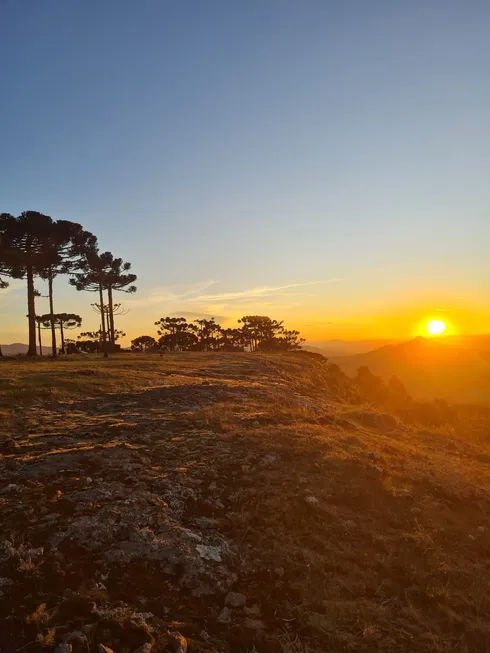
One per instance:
(391,554)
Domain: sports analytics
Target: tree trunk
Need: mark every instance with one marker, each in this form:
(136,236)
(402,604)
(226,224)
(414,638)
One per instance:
(62,338)
(31,312)
(39,338)
(102,316)
(51,310)
(1,353)
(110,317)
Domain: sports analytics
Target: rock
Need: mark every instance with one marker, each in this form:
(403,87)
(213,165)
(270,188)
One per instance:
(178,642)
(312,501)
(279,571)
(146,648)
(66,647)
(403,493)
(254,624)
(4,583)
(235,599)
(481,529)
(11,488)
(254,611)
(373,455)
(269,460)
(208,552)
(206,522)
(224,616)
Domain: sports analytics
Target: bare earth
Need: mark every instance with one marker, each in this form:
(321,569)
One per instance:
(232,502)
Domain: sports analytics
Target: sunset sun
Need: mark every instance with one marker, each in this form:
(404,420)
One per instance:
(436,327)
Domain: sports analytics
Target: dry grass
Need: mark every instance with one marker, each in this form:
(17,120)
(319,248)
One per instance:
(350,530)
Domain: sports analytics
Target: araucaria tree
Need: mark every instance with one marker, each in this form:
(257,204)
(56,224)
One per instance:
(63,322)
(65,247)
(23,242)
(98,272)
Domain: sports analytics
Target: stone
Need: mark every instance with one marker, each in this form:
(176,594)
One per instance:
(178,642)
(146,648)
(254,624)
(235,599)
(481,529)
(254,611)
(403,493)
(312,501)
(206,522)
(208,552)
(373,455)
(66,647)
(224,615)
(279,571)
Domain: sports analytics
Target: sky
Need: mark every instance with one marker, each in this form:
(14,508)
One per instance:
(325,163)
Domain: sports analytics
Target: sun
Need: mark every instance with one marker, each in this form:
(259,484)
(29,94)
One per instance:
(436,327)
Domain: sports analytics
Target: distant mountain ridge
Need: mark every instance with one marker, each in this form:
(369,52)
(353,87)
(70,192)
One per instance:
(456,368)
(19,348)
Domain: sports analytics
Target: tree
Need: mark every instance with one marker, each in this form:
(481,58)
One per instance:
(143,344)
(23,246)
(94,341)
(287,341)
(176,334)
(119,279)
(92,278)
(231,340)
(257,329)
(207,332)
(66,243)
(3,284)
(110,310)
(63,322)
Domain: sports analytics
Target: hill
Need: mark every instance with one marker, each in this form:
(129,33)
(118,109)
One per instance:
(453,368)
(234,503)
(18,348)
(345,347)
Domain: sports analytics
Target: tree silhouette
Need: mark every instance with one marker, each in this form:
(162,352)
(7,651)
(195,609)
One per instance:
(257,329)
(143,344)
(3,284)
(176,334)
(66,244)
(23,242)
(63,322)
(119,279)
(207,334)
(92,278)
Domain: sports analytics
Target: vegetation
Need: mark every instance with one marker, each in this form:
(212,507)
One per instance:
(34,245)
(343,526)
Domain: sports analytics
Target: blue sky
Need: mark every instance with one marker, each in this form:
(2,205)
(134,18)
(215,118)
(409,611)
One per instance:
(325,162)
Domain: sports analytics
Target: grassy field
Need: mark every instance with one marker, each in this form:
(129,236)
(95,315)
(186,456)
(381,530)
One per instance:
(238,499)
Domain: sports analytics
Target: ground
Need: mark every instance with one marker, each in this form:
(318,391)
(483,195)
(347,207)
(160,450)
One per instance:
(239,500)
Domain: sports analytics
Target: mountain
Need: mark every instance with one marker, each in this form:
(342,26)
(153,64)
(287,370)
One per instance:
(455,368)
(345,347)
(19,348)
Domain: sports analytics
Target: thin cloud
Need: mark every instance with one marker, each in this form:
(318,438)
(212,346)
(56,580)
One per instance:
(264,291)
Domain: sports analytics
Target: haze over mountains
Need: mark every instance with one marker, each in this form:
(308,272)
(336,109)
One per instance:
(455,368)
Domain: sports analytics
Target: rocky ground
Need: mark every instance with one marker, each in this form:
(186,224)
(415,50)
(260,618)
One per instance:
(234,503)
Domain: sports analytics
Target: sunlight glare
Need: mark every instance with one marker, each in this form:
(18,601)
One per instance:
(436,327)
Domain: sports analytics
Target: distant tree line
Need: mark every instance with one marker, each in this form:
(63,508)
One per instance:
(34,246)
(256,333)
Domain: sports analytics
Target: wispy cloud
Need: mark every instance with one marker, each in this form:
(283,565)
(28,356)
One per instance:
(263,291)
(171,294)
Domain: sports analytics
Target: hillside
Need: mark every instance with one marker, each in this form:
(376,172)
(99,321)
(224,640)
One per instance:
(19,348)
(233,502)
(452,368)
